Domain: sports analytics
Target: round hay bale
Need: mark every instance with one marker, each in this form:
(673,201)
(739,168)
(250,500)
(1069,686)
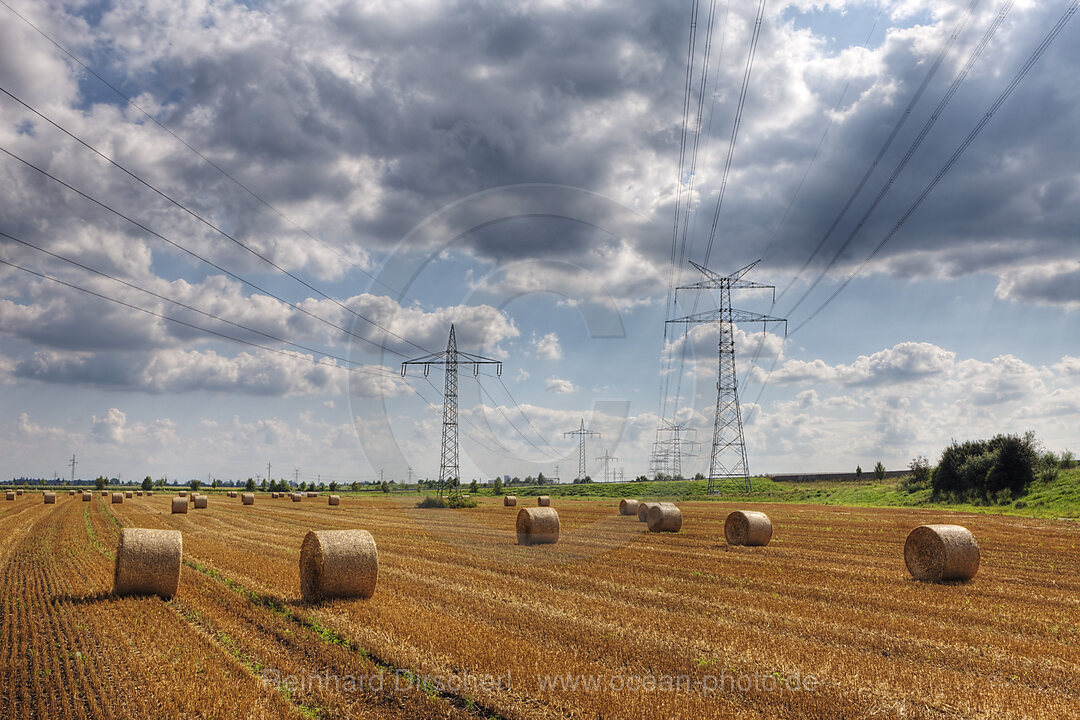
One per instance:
(335,499)
(231,493)
(338,564)
(312,494)
(87,496)
(200,501)
(129,494)
(138,493)
(182,493)
(509,500)
(49,497)
(148,562)
(71,492)
(149,493)
(941,552)
(628,506)
(9,495)
(537,526)
(179,505)
(118,498)
(664,517)
(19,492)
(643,510)
(248,498)
(543,501)
(748,527)
(104,493)
(297,497)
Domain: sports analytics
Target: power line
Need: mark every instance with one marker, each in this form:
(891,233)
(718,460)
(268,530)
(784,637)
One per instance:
(184,305)
(314,361)
(187,145)
(192,253)
(201,219)
(1017,79)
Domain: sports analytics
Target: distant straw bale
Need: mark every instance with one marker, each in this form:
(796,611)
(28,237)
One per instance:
(748,527)
(539,525)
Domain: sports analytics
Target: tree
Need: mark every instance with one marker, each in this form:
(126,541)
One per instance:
(920,471)
(333,486)
(147,483)
(263,485)
(879,471)
(385,487)
(858,472)
(195,484)
(541,480)
(99,482)
(250,485)
(160,482)
(474,487)
(214,484)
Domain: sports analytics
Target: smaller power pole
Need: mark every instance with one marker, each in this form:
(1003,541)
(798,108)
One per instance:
(73,464)
(581,434)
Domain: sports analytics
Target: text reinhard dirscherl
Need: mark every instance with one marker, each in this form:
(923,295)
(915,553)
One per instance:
(459,684)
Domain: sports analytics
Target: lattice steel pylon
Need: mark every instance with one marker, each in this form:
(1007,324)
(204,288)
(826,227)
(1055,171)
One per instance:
(673,446)
(607,458)
(449,465)
(728,463)
(581,433)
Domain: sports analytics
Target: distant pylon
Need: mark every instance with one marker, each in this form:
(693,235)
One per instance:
(449,465)
(674,446)
(728,462)
(581,434)
(607,458)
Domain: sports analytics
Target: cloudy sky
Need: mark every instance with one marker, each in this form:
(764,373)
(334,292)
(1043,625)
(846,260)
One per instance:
(301,195)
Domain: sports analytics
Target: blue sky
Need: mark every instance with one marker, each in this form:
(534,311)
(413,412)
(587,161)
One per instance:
(513,169)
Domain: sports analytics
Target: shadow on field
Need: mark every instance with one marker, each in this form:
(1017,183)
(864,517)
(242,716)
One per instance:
(84,599)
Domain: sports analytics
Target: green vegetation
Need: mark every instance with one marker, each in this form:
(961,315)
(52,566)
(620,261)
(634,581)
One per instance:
(453,501)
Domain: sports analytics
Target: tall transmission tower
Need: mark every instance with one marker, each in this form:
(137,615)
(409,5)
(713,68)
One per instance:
(449,465)
(73,464)
(728,462)
(581,434)
(607,458)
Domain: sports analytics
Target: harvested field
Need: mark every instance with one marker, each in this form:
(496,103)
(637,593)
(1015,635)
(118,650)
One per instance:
(609,621)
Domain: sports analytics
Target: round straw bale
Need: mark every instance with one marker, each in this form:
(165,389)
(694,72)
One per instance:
(129,494)
(335,499)
(748,527)
(543,501)
(118,498)
(941,552)
(509,500)
(628,507)
(87,496)
(297,497)
(643,510)
(537,525)
(104,493)
(19,491)
(148,562)
(179,505)
(50,498)
(149,492)
(138,493)
(9,495)
(664,517)
(313,494)
(248,498)
(71,492)
(338,563)
(182,493)
(200,501)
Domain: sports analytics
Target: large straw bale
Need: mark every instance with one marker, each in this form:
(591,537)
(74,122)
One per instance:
(664,517)
(338,564)
(748,527)
(643,510)
(118,498)
(941,552)
(148,562)
(19,491)
(628,506)
(179,505)
(87,496)
(248,498)
(200,501)
(335,500)
(9,495)
(539,525)
(71,492)
(49,497)
(297,497)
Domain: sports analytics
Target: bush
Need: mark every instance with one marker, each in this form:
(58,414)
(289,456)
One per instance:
(432,501)
(996,470)
(453,502)
(879,471)
(919,479)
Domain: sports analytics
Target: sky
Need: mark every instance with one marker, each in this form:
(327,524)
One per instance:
(290,199)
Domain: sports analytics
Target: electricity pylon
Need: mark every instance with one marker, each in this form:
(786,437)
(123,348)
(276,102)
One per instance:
(607,458)
(582,433)
(449,466)
(673,446)
(728,463)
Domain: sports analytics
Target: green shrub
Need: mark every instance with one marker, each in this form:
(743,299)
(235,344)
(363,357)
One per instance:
(987,471)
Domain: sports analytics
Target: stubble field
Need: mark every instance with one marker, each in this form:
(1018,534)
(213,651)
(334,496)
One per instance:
(611,622)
